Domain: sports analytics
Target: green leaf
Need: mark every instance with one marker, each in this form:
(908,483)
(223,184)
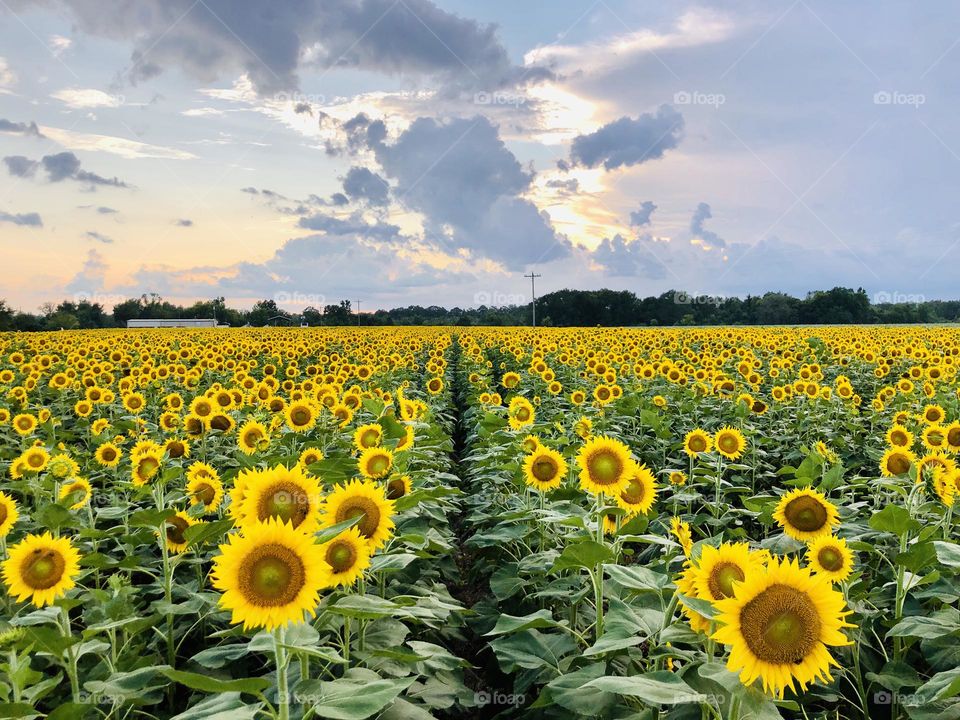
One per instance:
(217,657)
(637,577)
(349,698)
(894,519)
(150,518)
(225,706)
(195,681)
(206,531)
(654,688)
(331,532)
(948,553)
(570,692)
(510,623)
(943,622)
(587,554)
(368,607)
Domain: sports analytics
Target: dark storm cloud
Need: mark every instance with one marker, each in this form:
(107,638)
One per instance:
(461,176)
(268,39)
(641,217)
(24,219)
(361,183)
(697,229)
(59,167)
(19,128)
(629,141)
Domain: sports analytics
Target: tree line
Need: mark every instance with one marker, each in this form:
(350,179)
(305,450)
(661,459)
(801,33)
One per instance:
(607,308)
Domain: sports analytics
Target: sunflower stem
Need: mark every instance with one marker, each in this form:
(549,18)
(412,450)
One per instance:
(280,656)
(71,652)
(597,575)
(167,595)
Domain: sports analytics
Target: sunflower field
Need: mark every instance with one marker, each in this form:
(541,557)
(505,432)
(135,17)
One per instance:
(413,523)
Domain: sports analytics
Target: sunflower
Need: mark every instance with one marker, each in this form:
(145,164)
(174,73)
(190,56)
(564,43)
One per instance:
(145,467)
(681,531)
(368,436)
(896,461)
(309,456)
(697,442)
(8,514)
(398,486)
(953,437)
(82,489)
(253,436)
(899,436)
(270,575)
(348,555)
(687,585)
(342,414)
(946,485)
(544,469)
(530,443)
(435,386)
(604,466)
(729,442)
(805,514)
(363,499)
(829,556)
(24,423)
(300,416)
(933,413)
(375,463)
(583,428)
(35,459)
(719,569)
(678,478)
(640,492)
(108,454)
(62,466)
(290,495)
(520,412)
(42,568)
(778,626)
(176,448)
(934,437)
(205,489)
(174,529)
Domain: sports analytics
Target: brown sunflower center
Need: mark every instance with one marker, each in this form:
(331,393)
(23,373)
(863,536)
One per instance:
(271,575)
(697,444)
(396,489)
(369,438)
(42,569)
(935,437)
(953,437)
(284,500)
(806,513)
(205,493)
(176,449)
(220,422)
(898,437)
(300,416)
(781,625)
(728,443)
(722,578)
(251,437)
(830,559)
(109,454)
(898,464)
(341,555)
(605,467)
(176,526)
(363,508)
(378,464)
(634,492)
(147,467)
(35,460)
(3,513)
(544,468)
(522,413)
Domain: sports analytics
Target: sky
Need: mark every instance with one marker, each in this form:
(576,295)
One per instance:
(403,152)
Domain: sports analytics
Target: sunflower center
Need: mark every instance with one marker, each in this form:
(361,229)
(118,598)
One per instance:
(341,556)
(830,559)
(369,438)
(176,526)
(806,513)
(935,437)
(271,575)
(781,625)
(898,464)
(43,568)
(251,437)
(363,508)
(205,493)
(605,468)
(544,469)
(523,414)
(3,513)
(396,489)
(698,444)
(286,501)
(722,578)
(35,460)
(727,443)
(378,464)
(109,454)
(898,438)
(953,437)
(147,467)
(633,493)
(300,416)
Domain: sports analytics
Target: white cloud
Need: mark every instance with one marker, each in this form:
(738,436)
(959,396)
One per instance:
(59,44)
(201,112)
(130,149)
(87,98)
(8,78)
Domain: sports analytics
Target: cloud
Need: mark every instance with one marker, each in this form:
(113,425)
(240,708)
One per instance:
(59,44)
(106,210)
(271,41)
(183,222)
(629,141)
(24,219)
(98,237)
(571,186)
(83,98)
(8,78)
(59,167)
(701,234)
(90,279)
(622,258)
(468,185)
(641,217)
(129,149)
(354,225)
(363,184)
(19,128)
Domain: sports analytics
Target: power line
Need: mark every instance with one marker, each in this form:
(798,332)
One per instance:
(533,294)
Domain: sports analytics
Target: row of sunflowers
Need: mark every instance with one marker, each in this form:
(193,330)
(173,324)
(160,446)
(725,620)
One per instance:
(504,522)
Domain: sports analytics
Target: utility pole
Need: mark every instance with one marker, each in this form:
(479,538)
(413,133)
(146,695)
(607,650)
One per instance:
(533,294)
(358,313)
